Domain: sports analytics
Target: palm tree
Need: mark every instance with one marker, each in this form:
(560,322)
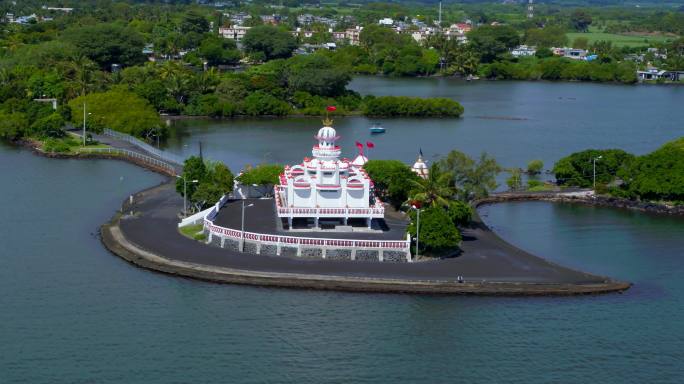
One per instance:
(435,190)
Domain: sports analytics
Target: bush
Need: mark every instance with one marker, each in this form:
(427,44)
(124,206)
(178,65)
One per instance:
(577,169)
(411,106)
(54,145)
(262,103)
(263,174)
(535,167)
(392,180)
(658,175)
(437,230)
(460,213)
(49,126)
(13,125)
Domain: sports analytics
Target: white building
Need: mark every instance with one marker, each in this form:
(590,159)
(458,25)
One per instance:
(326,187)
(523,50)
(235,32)
(420,167)
(386,21)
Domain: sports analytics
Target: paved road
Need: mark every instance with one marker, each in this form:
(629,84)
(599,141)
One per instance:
(485,256)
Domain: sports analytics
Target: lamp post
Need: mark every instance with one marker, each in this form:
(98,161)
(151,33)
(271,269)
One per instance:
(185,193)
(594,161)
(416,206)
(242,228)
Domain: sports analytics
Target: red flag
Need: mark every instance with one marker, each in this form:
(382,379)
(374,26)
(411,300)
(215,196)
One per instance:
(370,144)
(359,145)
(331,108)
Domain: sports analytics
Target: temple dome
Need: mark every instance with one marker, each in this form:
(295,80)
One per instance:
(327,134)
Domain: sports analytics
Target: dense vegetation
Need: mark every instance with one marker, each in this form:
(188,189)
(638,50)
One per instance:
(658,175)
(444,196)
(213,180)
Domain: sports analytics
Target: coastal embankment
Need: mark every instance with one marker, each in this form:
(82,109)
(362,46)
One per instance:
(145,234)
(586,197)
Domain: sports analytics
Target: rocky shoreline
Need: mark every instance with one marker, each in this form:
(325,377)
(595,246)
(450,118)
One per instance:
(587,199)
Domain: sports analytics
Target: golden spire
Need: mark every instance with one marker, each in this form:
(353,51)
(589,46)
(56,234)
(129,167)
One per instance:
(327,122)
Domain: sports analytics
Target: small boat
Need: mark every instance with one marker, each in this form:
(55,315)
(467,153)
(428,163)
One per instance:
(376,128)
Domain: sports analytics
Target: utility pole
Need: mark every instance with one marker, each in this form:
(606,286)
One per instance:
(84,123)
(596,158)
(440,15)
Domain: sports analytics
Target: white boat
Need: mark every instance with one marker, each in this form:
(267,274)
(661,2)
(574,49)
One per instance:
(377,129)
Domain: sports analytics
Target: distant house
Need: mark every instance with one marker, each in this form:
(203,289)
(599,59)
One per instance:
(271,19)
(386,21)
(523,51)
(655,74)
(651,74)
(236,32)
(572,53)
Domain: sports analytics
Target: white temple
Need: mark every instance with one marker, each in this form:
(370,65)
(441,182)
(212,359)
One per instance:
(420,167)
(325,187)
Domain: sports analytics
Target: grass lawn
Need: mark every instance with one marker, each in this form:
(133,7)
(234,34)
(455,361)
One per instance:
(69,144)
(619,40)
(193,231)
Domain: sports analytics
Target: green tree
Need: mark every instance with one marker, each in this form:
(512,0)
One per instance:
(193,22)
(473,179)
(316,75)
(193,169)
(49,126)
(493,41)
(578,168)
(581,20)
(117,109)
(13,125)
(217,181)
(535,167)
(108,44)
(393,180)
(460,213)
(514,182)
(437,231)
(262,174)
(269,42)
(217,50)
(435,190)
(658,175)
(261,103)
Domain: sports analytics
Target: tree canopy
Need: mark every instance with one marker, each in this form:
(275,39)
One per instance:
(108,44)
(577,169)
(266,42)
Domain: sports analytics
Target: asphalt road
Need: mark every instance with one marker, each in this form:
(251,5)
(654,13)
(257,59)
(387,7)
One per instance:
(485,256)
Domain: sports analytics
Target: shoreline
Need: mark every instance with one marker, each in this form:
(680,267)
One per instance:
(115,240)
(593,200)
(181,256)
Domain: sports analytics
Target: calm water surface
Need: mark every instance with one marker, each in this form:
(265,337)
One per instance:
(73,313)
(514,121)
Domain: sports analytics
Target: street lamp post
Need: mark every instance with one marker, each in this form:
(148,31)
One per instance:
(84,123)
(416,206)
(185,193)
(242,228)
(596,158)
